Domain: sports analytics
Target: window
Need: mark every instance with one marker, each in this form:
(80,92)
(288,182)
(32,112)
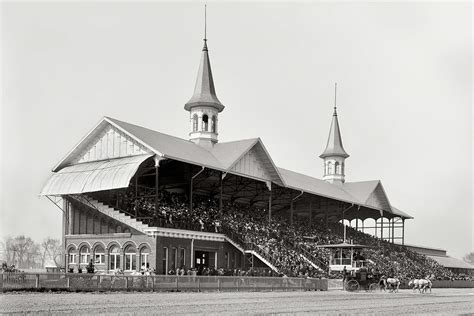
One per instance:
(214,122)
(144,258)
(330,168)
(337,167)
(182,257)
(174,258)
(72,258)
(165,260)
(99,255)
(114,258)
(205,122)
(130,258)
(84,255)
(195,123)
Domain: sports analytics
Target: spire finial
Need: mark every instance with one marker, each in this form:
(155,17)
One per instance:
(335,98)
(205,27)
(205,22)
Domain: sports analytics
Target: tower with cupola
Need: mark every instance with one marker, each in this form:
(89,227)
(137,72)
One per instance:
(334,155)
(204,106)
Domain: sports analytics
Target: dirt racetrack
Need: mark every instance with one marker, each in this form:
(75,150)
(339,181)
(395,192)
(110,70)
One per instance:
(441,301)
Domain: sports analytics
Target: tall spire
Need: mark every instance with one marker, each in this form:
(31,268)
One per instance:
(204,91)
(334,145)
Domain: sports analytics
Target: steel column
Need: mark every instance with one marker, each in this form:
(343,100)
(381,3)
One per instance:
(381,225)
(403,231)
(220,191)
(157,186)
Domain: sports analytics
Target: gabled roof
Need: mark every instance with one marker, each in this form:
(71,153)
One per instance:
(223,156)
(450,262)
(400,213)
(204,91)
(312,185)
(226,158)
(169,146)
(369,193)
(334,145)
(229,152)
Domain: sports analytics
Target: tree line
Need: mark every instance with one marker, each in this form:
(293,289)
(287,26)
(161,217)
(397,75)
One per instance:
(24,253)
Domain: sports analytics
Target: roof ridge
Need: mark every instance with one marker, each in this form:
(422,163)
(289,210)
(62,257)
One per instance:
(155,131)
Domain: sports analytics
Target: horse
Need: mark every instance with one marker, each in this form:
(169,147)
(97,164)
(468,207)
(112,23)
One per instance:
(421,284)
(392,284)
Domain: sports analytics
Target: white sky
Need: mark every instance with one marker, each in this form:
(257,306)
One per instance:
(403,73)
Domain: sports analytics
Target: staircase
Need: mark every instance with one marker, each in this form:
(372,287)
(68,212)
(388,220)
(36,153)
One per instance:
(112,212)
(313,260)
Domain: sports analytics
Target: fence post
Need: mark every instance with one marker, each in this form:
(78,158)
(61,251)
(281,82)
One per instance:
(126,283)
(218,284)
(37,281)
(68,282)
(1,284)
(177,283)
(98,281)
(199,284)
(238,284)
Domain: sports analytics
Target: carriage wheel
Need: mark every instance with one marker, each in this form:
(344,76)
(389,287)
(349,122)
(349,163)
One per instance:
(352,285)
(373,287)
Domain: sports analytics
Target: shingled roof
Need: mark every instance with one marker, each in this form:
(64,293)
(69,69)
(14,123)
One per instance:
(224,156)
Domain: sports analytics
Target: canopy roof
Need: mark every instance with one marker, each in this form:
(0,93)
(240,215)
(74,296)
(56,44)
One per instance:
(450,262)
(228,157)
(94,176)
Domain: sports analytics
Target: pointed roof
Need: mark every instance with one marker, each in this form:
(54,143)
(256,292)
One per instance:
(334,145)
(204,91)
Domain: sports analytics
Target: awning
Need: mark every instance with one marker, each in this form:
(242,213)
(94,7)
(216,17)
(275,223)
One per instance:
(94,176)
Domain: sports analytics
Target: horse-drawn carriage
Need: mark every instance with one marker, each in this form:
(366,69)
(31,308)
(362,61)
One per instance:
(348,259)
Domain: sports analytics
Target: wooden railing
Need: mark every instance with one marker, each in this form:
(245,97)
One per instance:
(95,282)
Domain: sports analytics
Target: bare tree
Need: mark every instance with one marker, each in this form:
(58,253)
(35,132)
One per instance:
(51,249)
(20,251)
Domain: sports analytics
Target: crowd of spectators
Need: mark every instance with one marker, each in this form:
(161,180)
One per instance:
(292,249)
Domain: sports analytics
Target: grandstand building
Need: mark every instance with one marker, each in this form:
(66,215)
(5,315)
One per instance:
(115,188)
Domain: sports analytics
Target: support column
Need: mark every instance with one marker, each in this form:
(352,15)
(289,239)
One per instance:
(403,231)
(326,215)
(269,186)
(363,224)
(393,230)
(357,224)
(291,212)
(106,257)
(191,189)
(221,178)
(157,186)
(310,212)
(381,225)
(344,226)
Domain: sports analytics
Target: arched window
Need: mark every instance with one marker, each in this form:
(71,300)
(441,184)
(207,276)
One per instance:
(330,168)
(144,258)
(214,124)
(337,168)
(72,256)
(130,258)
(205,123)
(195,123)
(99,255)
(114,258)
(342,168)
(84,254)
